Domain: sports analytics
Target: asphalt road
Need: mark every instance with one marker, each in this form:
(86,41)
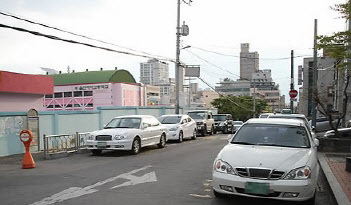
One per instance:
(177,174)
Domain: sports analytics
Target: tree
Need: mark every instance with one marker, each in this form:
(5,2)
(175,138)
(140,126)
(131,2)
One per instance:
(239,107)
(337,46)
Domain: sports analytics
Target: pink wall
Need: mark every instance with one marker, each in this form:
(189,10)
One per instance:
(104,94)
(13,102)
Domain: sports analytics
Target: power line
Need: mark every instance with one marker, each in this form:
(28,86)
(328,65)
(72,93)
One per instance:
(72,33)
(244,57)
(77,42)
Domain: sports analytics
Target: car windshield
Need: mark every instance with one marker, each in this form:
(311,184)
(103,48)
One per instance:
(197,115)
(272,135)
(170,119)
(219,117)
(124,123)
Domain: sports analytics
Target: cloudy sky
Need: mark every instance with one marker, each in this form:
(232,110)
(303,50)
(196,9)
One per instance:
(272,27)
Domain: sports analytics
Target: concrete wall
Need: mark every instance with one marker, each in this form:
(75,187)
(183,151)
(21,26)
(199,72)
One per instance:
(64,122)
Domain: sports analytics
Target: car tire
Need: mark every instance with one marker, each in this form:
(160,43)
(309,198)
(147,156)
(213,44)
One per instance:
(96,151)
(219,195)
(225,131)
(162,143)
(194,134)
(203,132)
(135,146)
(212,130)
(180,140)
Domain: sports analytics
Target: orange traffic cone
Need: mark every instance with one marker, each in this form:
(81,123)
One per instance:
(28,161)
(26,137)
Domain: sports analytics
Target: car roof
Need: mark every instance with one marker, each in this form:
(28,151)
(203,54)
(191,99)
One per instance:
(287,116)
(134,116)
(275,121)
(173,115)
(222,114)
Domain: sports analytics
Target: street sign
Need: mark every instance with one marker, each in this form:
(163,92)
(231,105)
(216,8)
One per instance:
(293,93)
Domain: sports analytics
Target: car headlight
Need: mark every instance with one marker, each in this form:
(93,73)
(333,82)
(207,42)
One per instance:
(224,167)
(173,128)
(119,137)
(299,173)
(90,137)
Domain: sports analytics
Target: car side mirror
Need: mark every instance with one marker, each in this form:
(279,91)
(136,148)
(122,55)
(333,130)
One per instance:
(313,129)
(316,142)
(145,126)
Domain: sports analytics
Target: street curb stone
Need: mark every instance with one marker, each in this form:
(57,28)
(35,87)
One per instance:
(338,192)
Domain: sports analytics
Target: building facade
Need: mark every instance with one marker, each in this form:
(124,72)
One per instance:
(234,88)
(91,89)
(154,72)
(21,92)
(249,62)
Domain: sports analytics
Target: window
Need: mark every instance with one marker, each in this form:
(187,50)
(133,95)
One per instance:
(67,94)
(77,105)
(78,94)
(88,93)
(89,105)
(69,105)
(50,106)
(58,95)
(48,96)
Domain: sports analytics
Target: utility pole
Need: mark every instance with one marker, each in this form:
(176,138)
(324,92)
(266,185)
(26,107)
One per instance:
(177,63)
(254,100)
(292,81)
(315,77)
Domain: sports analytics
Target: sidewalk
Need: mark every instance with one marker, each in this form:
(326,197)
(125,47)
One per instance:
(333,165)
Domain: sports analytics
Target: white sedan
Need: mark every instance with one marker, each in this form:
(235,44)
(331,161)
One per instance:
(268,158)
(179,127)
(128,133)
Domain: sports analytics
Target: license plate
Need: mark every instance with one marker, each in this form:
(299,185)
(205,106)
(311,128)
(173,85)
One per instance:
(101,144)
(257,188)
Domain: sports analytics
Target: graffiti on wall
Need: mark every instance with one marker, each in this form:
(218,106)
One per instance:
(12,126)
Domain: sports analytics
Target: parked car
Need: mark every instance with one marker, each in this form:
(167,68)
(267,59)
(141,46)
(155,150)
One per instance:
(265,115)
(223,123)
(301,117)
(130,132)
(204,121)
(179,127)
(343,133)
(286,111)
(322,124)
(237,125)
(268,158)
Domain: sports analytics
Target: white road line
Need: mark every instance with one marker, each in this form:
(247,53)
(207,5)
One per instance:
(75,192)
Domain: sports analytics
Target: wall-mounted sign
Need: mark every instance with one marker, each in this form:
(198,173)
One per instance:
(92,87)
(192,71)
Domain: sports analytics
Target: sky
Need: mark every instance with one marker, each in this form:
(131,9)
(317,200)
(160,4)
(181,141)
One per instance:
(272,28)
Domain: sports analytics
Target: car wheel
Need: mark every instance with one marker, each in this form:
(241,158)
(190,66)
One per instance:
(96,151)
(135,146)
(212,129)
(180,140)
(162,143)
(194,134)
(219,195)
(203,132)
(225,130)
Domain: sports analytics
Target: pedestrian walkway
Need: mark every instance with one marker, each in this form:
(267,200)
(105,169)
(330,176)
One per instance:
(333,165)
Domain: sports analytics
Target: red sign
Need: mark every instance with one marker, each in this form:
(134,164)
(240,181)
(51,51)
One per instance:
(293,93)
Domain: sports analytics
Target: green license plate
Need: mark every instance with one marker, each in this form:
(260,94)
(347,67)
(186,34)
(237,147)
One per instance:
(257,188)
(101,145)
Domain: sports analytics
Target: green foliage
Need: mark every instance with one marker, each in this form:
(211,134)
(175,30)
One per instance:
(240,107)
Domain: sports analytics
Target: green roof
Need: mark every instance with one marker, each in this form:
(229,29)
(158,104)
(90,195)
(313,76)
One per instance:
(104,76)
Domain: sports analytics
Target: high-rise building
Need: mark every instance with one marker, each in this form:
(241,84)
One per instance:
(154,72)
(249,62)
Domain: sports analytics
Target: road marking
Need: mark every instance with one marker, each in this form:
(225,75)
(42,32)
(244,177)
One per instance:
(74,192)
(201,196)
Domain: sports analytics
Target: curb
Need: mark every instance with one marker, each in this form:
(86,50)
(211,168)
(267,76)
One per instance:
(338,192)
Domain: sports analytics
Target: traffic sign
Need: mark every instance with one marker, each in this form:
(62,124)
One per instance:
(293,93)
